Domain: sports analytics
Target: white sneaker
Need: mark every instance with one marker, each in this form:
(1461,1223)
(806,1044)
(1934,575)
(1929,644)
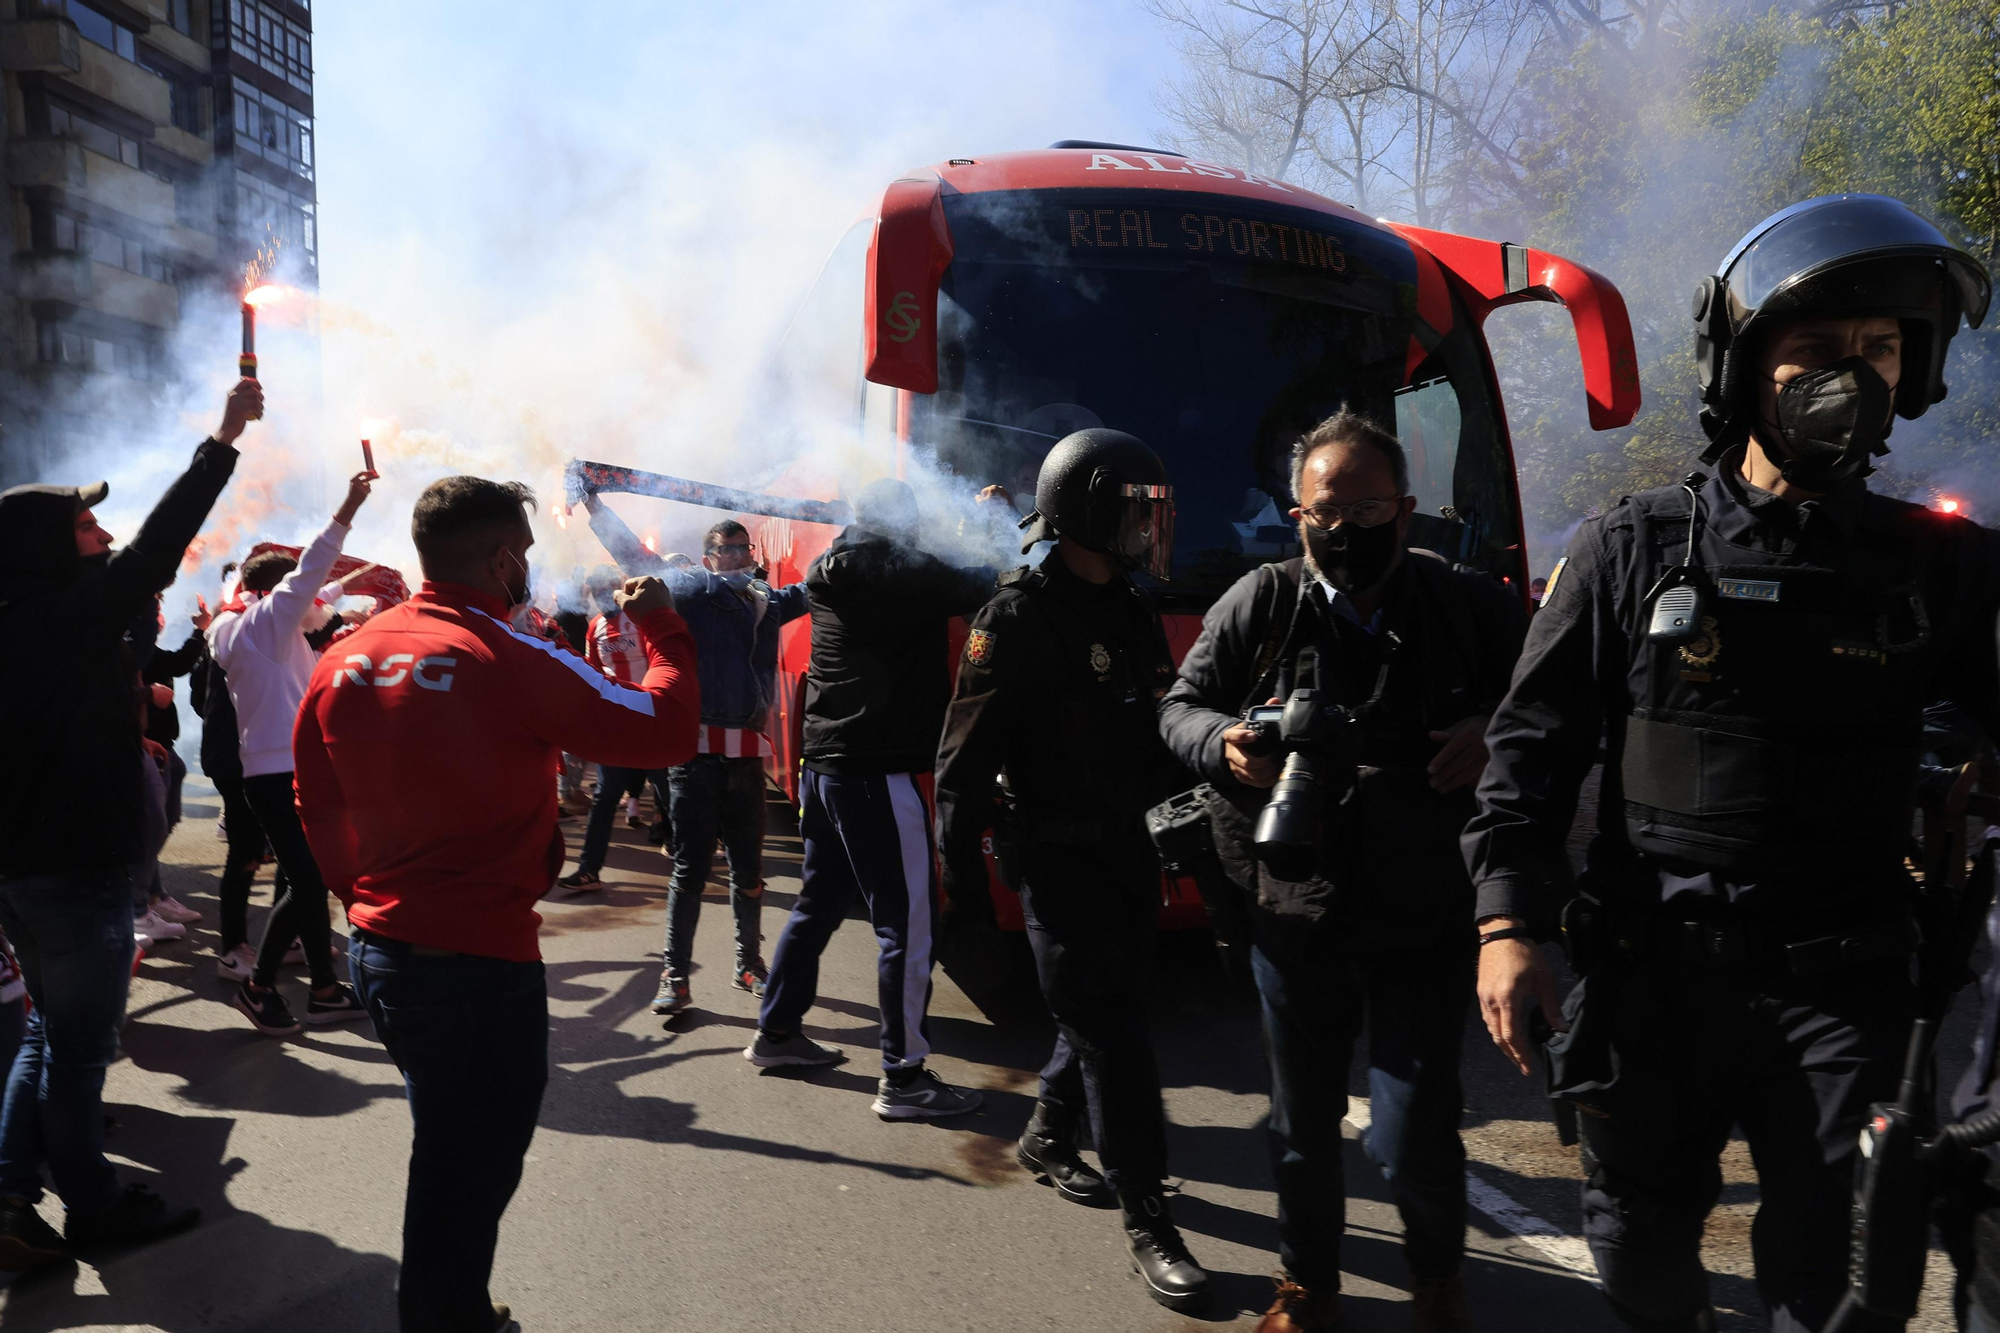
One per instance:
(152,924)
(142,940)
(173,910)
(237,964)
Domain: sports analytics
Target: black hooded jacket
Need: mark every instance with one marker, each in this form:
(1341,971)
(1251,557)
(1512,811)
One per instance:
(881,663)
(71,791)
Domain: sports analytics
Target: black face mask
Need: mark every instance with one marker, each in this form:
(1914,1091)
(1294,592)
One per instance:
(1352,558)
(1832,421)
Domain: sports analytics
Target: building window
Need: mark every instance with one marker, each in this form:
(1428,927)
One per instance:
(183,97)
(59,344)
(265,210)
(273,41)
(69,231)
(67,123)
(180,13)
(273,131)
(96,27)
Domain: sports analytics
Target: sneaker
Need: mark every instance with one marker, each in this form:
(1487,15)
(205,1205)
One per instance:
(268,1013)
(237,964)
(172,910)
(158,927)
(137,1215)
(26,1241)
(925,1097)
(344,1007)
(296,953)
(674,997)
(797,1049)
(142,940)
(751,976)
(583,881)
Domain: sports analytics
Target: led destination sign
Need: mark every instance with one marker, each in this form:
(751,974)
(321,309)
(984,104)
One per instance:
(1195,232)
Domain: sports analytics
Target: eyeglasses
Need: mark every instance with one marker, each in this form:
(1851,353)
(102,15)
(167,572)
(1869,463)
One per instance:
(745,547)
(1364,513)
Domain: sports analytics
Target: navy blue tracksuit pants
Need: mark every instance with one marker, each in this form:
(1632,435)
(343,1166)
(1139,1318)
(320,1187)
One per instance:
(867,834)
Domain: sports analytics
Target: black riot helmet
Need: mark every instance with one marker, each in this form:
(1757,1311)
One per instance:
(1839,256)
(1106,491)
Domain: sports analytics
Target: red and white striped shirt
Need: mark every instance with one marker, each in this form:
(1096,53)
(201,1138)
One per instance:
(733,743)
(614,648)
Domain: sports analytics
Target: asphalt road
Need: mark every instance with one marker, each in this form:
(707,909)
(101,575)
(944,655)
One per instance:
(672,1186)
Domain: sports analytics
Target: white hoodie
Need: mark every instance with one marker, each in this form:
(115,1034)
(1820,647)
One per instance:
(264,651)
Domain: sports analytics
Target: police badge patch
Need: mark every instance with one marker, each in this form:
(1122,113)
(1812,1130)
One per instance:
(1100,661)
(979,647)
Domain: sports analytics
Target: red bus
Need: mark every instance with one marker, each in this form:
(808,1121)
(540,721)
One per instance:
(1007,300)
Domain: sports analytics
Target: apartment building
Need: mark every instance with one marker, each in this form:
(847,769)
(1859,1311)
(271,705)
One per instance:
(151,148)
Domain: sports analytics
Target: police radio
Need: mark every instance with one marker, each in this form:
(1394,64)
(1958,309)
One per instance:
(1679,598)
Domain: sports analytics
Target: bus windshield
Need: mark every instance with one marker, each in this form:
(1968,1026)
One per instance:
(1218,330)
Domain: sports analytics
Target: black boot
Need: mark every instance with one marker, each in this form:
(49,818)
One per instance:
(1048,1151)
(1159,1255)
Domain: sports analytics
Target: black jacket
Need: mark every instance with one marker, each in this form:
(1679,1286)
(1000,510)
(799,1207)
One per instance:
(1059,685)
(880,674)
(1391,859)
(162,667)
(1587,668)
(71,790)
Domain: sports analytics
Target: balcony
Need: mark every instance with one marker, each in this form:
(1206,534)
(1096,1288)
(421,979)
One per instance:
(56,163)
(120,81)
(53,277)
(180,143)
(128,190)
(50,45)
(133,296)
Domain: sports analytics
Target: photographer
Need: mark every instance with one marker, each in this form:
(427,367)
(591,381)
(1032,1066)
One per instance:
(1369,930)
(1057,686)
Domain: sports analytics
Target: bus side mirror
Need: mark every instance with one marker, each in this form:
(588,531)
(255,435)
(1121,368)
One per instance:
(906,261)
(1491,274)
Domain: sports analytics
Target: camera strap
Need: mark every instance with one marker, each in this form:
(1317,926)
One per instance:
(1280,625)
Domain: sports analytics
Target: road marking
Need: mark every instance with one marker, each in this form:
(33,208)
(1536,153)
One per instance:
(1565,1251)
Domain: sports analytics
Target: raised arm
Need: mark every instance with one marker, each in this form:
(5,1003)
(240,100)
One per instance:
(625,548)
(649,725)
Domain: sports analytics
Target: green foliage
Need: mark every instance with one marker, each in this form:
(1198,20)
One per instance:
(1648,159)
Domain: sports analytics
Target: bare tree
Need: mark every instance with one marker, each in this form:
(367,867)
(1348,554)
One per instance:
(1284,87)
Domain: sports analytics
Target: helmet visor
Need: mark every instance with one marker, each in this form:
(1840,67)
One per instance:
(1146,529)
(1843,235)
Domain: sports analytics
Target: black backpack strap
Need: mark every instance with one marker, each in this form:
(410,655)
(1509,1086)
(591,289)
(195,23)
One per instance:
(1280,618)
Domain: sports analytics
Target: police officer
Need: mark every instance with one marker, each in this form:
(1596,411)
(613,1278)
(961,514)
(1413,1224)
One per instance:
(1755,648)
(1366,932)
(1059,686)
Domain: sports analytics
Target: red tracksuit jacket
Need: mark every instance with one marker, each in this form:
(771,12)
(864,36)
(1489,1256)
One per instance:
(424,756)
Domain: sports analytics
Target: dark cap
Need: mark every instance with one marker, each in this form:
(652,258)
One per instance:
(87,496)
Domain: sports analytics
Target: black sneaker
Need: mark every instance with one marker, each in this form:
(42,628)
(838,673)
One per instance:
(673,998)
(268,1012)
(751,976)
(343,1007)
(583,881)
(26,1241)
(137,1215)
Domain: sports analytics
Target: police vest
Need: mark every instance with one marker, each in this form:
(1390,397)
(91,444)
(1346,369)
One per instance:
(1785,739)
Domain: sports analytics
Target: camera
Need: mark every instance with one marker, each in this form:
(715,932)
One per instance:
(1322,747)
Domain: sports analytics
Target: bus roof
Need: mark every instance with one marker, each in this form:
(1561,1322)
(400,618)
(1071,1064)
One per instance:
(1129,168)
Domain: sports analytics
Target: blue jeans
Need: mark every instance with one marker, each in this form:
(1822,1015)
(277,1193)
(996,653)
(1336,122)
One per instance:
(72,933)
(1319,990)
(613,785)
(471,1037)
(715,796)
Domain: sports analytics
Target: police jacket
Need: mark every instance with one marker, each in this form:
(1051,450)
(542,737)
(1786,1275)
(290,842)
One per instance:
(880,675)
(1059,686)
(66,704)
(1448,639)
(1770,763)
(735,630)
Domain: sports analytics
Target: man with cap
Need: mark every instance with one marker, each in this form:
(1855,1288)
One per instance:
(1755,649)
(73,824)
(876,690)
(1058,688)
